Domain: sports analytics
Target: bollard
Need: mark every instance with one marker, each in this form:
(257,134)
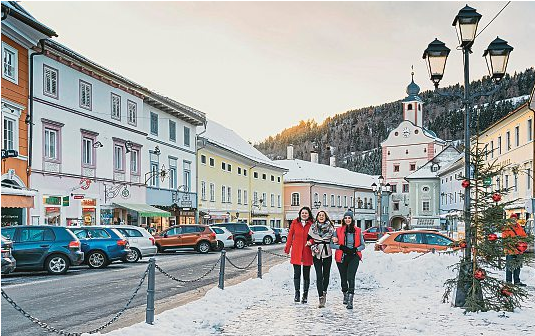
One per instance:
(222,270)
(259,274)
(149,316)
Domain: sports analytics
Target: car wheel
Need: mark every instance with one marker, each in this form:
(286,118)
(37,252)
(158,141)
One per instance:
(240,243)
(133,256)
(283,239)
(268,240)
(203,247)
(220,245)
(57,264)
(97,259)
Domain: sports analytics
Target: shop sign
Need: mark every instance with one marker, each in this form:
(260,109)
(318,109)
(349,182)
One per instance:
(87,219)
(66,201)
(206,216)
(78,196)
(487,182)
(89,202)
(49,210)
(54,200)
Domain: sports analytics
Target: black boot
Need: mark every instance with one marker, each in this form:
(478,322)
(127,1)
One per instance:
(350,301)
(346,294)
(305,297)
(297,286)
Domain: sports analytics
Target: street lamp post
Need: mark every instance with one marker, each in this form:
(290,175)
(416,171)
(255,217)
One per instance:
(379,190)
(497,56)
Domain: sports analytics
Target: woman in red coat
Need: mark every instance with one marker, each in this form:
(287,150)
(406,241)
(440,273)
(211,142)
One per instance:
(301,255)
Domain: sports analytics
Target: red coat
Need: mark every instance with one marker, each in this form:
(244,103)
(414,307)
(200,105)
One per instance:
(341,234)
(297,238)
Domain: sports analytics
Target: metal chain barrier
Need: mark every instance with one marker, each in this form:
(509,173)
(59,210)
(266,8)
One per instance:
(49,328)
(276,254)
(242,268)
(187,281)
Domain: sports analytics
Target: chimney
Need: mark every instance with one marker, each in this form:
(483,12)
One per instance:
(314,156)
(332,161)
(290,152)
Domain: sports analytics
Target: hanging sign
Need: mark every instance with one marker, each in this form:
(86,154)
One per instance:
(487,182)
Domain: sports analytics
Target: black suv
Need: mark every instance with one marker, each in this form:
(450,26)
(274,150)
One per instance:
(243,236)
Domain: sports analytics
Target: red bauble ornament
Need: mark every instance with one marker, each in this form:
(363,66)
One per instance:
(496,197)
(465,184)
(492,237)
(522,246)
(462,244)
(480,274)
(506,291)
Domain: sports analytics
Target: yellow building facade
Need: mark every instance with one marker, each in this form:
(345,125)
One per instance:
(510,144)
(236,182)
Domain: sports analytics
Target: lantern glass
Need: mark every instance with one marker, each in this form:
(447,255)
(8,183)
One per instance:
(381,179)
(436,65)
(466,30)
(374,187)
(497,57)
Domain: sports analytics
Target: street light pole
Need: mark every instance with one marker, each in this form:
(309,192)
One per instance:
(378,191)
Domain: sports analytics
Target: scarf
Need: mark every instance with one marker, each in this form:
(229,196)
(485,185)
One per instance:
(323,230)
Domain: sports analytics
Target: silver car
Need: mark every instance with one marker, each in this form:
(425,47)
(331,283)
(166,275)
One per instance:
(141,242)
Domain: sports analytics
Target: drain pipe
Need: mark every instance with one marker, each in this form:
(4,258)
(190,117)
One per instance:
(197,137)
(29,117)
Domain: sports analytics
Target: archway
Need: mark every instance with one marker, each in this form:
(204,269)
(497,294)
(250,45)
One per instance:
(398,222)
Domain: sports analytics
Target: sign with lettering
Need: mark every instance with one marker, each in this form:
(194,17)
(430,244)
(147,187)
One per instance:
(54,200)
(78,196)
(89,202)
(66,201)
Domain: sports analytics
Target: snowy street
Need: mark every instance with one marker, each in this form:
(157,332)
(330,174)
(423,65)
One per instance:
(396,294)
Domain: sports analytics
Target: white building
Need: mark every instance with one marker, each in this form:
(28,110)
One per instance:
(407,148)
(452,193)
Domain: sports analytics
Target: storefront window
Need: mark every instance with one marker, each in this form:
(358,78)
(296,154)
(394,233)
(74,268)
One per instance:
(106,216)
(53,216)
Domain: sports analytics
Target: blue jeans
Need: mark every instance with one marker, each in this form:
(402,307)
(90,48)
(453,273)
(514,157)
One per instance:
(511,273)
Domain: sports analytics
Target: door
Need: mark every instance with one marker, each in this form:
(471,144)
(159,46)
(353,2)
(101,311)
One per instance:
(82,235)
(173,237)
(190,235)
(32,245)
(412,242)
(437,242)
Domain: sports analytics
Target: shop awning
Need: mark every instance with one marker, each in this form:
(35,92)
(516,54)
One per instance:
(144,210)
(17,198)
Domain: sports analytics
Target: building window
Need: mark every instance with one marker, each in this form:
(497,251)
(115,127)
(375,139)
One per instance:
(492,149)
(10,120)
(278,201)
(332,200)
(351,204)
(255,175)
(172,173)
(272,178)
(517,136)
(186,136)
(506,181)
(499,145)
(239,196)
(52,142)
(278,179)
(413,166)
(508,140)
(359,203)
(85,95)
(530,130)
(295,199)
(325,200)
(345,201)
(394,188)
(223,166)
(229,195)
(9,133)
(239,170)
(203,190)
(245,199)
(172,131)
(255,198)
(134,162)
(118,158)
(316,197)
(88,152)
(425,205)
(396,168)
(223,194)
(516,182)
(272,198)
(212,192)
(244,172)
(153,123)
(50,82)
(264,176)
(229,167)
(264,199)
(339,201)
(10,63)
(115,106)
(132,113)
(405,188)
(212,162)
(396,206)
(528,175)
(203,159)
(187,175)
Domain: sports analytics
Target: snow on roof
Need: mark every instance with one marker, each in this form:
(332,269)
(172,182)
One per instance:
(225,138)
(306,171)
(442,159)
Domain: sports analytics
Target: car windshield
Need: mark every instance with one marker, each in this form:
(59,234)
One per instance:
(383,238)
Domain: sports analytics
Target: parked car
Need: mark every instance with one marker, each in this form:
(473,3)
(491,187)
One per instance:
(8,262)
(373,232)
(530,231)
(43,247)
(243,236)
(281,235)
(224,237)
(102,245)
(196,236)
(142,243)
(414,241)
(263,234)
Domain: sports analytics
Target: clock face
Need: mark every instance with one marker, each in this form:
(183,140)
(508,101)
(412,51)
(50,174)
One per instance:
(406,132)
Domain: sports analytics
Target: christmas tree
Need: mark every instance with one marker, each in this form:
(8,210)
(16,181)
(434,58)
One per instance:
(480,285)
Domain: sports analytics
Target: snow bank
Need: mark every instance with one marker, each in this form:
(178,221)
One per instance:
(406,289)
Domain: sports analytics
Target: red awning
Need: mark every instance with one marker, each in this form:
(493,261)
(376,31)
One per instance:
(17,201)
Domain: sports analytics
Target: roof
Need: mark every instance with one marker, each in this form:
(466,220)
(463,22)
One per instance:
(519,108)
(15,10)
(306,171)
(456,163)
(442,159)
(226,139)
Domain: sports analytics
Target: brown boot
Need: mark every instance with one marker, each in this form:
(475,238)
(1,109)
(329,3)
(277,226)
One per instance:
(322,302)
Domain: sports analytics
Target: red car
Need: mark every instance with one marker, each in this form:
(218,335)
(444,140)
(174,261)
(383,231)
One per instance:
(373,232)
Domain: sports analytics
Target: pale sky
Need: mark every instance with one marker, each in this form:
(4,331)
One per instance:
(260,67)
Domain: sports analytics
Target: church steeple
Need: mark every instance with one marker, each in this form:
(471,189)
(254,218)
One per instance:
(413,104)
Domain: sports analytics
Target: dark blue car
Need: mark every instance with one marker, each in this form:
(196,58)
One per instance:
(101,245)
(43,247)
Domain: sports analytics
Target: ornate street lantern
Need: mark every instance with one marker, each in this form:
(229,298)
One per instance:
(497,56)
(436,55)
(466,23)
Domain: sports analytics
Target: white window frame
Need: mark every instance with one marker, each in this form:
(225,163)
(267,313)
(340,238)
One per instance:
(223,194)
(424,203)
(272,198)
(48,148)
(118,158)
(239,196)
(85,90)
(279,201)
(229,194)
(517,136)
(245,200)
(134,161)
(154,131)
(87,151)
(530,129)
(173,163)
(11,112)
(51,71)
(186,174)
(13,144)
(212,192)
(187,139)
(295,199)
(115,106)
(7,48)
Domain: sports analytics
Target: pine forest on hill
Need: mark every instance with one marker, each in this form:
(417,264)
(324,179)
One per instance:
(356,135)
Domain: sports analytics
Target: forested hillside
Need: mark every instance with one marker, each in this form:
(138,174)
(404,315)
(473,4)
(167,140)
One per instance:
(357,134)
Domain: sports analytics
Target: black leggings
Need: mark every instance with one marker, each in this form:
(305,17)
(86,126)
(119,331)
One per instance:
(348,270)
(323,273)
(297,276)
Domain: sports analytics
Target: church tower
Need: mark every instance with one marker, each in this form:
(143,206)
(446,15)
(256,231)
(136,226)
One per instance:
(413,104)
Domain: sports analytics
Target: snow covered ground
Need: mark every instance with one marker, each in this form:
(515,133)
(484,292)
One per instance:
(396,294)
